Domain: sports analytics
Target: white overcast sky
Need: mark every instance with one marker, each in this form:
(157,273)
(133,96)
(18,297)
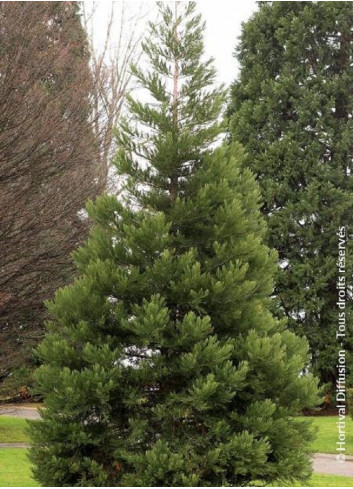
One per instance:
(223,27)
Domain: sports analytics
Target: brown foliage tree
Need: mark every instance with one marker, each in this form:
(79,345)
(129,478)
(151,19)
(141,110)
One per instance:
(48,157)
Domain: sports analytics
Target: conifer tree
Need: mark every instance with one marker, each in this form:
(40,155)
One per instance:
(292,111)
(163,365)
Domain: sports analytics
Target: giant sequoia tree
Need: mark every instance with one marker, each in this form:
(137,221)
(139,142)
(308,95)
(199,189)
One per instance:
(163,365)
(48,164)
(292,109)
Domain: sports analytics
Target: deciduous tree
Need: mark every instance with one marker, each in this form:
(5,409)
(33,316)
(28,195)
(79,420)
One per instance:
(48,157)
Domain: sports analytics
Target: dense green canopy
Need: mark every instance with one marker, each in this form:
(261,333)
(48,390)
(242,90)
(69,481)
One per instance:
(163,365)
(292,110)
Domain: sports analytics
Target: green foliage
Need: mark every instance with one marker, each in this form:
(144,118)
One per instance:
(291,108)
(15,471)
(163,365)
(349,394)
(20,383)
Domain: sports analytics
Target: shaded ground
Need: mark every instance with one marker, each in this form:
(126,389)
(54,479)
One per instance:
(13,430)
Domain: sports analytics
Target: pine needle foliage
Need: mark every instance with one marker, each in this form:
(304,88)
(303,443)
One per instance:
(163,365)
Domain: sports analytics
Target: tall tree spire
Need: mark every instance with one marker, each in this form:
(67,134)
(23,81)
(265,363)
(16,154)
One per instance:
(169,369)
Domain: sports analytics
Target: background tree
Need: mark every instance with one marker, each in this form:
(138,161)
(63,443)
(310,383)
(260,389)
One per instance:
(292,110)
(48,156)
(163,365)
(110,62)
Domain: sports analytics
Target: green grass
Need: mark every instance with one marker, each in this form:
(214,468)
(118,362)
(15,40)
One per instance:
(323,480)
(12,430)
(15,469)
(327,434)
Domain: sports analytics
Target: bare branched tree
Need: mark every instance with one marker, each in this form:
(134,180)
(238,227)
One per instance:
(111,58)
(48,158)
(61,93)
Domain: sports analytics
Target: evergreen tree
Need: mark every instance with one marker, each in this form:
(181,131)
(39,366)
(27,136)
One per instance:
(163,365)
(292,110)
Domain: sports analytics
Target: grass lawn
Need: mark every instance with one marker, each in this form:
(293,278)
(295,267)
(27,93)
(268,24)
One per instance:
(12,430)
(327,434)
(15,468)
(322,480)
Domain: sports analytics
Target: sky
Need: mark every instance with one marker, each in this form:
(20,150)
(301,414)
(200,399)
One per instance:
(223,27)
